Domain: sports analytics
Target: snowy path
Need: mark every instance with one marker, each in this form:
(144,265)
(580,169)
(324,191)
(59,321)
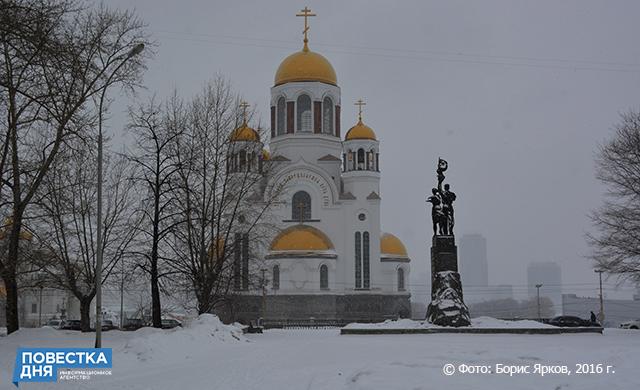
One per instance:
(322,359)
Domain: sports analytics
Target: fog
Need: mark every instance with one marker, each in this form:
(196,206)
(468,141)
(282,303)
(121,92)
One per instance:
(516,95)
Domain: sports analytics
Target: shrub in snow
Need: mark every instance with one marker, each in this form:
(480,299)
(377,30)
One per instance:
(203,333)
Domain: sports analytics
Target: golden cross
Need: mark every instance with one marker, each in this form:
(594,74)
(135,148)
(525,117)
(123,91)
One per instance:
(360,103)
(306,13)
(243,106)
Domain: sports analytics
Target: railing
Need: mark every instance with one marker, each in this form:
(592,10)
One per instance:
(313,323)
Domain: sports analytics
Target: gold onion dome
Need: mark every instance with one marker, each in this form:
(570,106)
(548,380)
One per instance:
(305,65)
(266,155)
(6,229)
(301,238)
(360,131)
(244,133)
(216,248)
(391,245)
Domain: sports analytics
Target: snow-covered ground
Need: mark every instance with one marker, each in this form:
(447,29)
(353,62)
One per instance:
(209,355)
(479,322)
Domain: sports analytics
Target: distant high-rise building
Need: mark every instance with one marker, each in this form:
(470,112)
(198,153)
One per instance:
(549,274)
(474,269)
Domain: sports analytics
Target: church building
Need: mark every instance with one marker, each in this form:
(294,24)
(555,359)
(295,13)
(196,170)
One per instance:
(329,259)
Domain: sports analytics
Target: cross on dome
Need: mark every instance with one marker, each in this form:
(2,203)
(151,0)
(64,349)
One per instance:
(360,103)
(306,13)
(243,106)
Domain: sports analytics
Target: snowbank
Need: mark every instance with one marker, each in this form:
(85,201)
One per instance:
(201,334)
(489,322)
(479,322)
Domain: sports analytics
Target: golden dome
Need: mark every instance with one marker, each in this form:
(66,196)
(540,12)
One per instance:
(305,65)
(244,133)
(391,245)
(23,235)
(301,238)
(360,131)
(266,155)
(217,249)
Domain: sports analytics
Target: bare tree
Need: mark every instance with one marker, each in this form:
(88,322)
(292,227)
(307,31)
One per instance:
(66,222)
(156,129)
(616,242)
(223,214)
(56,57)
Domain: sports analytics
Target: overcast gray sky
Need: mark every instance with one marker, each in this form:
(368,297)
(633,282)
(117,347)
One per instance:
(515,94)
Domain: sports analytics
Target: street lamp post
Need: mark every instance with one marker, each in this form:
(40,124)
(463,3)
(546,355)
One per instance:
(601,314)
(137,49)
(40,307)
(538,288)
(264,296)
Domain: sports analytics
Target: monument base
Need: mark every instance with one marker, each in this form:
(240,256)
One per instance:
(447,307)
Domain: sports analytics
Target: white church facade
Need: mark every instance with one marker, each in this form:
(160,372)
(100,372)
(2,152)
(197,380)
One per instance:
(328,258)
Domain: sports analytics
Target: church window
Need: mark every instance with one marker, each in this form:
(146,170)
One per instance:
(327,116)
(378,162)
(305,118)
(365,260)
(276,277)
(360,159)
(400,279)
(324,277)
(252,157)
(280,116)
(370,161)
(243,160)
(301,206)
(358,261)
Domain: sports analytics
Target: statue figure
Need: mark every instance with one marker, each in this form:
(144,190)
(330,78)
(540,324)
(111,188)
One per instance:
(447,207)
(442,203)
(437,214)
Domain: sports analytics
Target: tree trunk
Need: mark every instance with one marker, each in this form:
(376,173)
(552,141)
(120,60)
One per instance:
(156,311)
(9,274)
(155,296)
(11,308)
(85,318)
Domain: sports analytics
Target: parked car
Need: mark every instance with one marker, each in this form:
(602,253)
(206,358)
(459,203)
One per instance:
(108,325)
(55,324)
(71,325)
(633,324)
(133,324)
(571,322)
(170,323)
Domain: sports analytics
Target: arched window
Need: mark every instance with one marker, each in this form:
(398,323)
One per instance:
(243,160)
(305,119)
(370,166)
(400,279)
(276,277)
(324,277)
(327,116)
(365,260)
(301,206)
(360,159)
(280,116)
(358,260)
